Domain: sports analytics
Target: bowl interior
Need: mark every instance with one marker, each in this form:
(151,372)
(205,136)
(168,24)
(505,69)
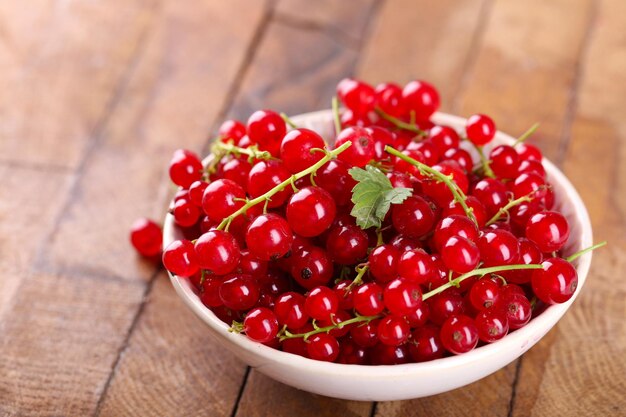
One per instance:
(365,382)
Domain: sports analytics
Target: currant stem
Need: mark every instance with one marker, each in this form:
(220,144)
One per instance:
(411,127)
(327,329)
(582,252)
(336,118)
(526,134)
(458,194)
(504,210)
(288,121)
(287,183)
(221,149)
(477,272)
(358,280)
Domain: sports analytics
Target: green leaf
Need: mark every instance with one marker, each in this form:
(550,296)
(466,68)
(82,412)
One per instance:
(373,196)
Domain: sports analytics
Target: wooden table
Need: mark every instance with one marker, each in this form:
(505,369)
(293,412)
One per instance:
(95,96)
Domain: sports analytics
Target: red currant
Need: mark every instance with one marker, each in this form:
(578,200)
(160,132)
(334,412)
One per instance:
(146,237)
(222,198)
(356,95)
(421,98)
(239,292)
(321,303)
(185,168)
(218,252)
(556,282)
(289,309)
(393,330)
(362,149)
(549,230)
(180,258)
(311,211)
(491,324)
(460,255)
(402,297)
(368,299)
(295,149)
(267,129)
(260,325)
(269,237)
(383,262)
(323,347)
(266,175)
(346,245)
(311,266)
(459,334)
(426,344)
(414,217)
(480,129)
(232,129)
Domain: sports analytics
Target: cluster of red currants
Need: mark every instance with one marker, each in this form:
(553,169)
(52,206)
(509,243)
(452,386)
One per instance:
(393,246)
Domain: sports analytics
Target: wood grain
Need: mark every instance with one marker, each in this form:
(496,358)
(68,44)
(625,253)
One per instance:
(61,65)
(582,371)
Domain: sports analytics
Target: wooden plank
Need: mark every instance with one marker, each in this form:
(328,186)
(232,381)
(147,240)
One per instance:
(423,40)
(58,341)
(61,64)
(172,365)
(582,371)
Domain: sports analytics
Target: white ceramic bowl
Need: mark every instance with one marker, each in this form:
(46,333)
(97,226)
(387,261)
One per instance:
(400,382)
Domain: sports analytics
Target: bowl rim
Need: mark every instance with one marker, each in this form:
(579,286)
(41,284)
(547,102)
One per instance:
(538,325)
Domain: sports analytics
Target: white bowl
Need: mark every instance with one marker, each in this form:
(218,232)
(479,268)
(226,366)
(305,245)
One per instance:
(400,382)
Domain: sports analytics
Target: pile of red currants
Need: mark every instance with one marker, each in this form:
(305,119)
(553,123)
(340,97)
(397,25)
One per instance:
(391,246)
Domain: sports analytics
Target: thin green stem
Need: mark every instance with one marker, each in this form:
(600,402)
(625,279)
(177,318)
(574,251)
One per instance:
(287,183)
(336,118)
(582,252)
(411,127)
(458,194)
(477,272)
(220,149)
(327,329)
(358,280)
(504,210)
(526,134)
(288,121)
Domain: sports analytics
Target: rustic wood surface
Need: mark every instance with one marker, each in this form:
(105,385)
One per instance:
(96,95)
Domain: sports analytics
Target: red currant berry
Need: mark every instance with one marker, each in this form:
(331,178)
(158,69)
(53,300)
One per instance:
(218,252)
(382,137)
(323,347)
(429,152)
(196,192)
(528,152)
(533,185)
(549,230)
(336,319)
(444,305)
(352,119)
(267,129)
(239,292)
(443,138)
(185,168)
(269,237)
(356,95)
(454,225)
(492,194)
(311,266)
(236,170)
(484,293)
(210,292)
(383,262)
(335,178)
(393,331)
(289,309)
(478,210)
(352,354)
(556,282)
(366,334)
(297,345)
(266,175)
(480,129)
(426,344)
(416,265)
(311,211)
(362,149)
(321,303)
(419,316)
(232,129)
(402,297)
(461,157)
(517,309)
(185,213)
(250,265)
(491,324)
(459,334)
(346,245)
(368,299)
(498,247)
(529,254)
(421,98)
(260,325)
(295,149)
(146,237)
(389,99)
(180,258)
(383,354)
(460,255)
(414,217)
(222,198)
(531,165)
(344,295)
(504,161)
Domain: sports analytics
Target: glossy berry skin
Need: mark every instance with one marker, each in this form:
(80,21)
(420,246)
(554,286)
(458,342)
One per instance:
(439,191)
(344,294)
(454,225)
(321,303)
(289,309)
(428,151)
(382,354)
(491,324)
(382,137)
(218,252)
(146,237)
(185,168)
(416,265)
(295,149)
(210,292)
(460,255)
(260,325)
(402,297)
(180,258)
(419,316)
(365,334)
(393,330)
(232,129)
(264,176)
(443,138)
(269,237)
(529,254)
(352,354)
(556,282)
(185,213)
(516,308)
(414,217)
(460,156)
(356,95)
(498,247)
(239,292)
(504,161)
(323,347)
(444,305)
(480,129)
(368,299)
(548,230)
(422,98)
(196,192)
(267,129)
(335,178)
(389,99)
(362,149)
(311,267)
(249,264)
(459,334)
(222,198)
(492,194)
(346,245)
(529,152)
(478,210)
(383,262)
(426,345)
(533,185)
(310,211)
(484,293)
(236,170)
